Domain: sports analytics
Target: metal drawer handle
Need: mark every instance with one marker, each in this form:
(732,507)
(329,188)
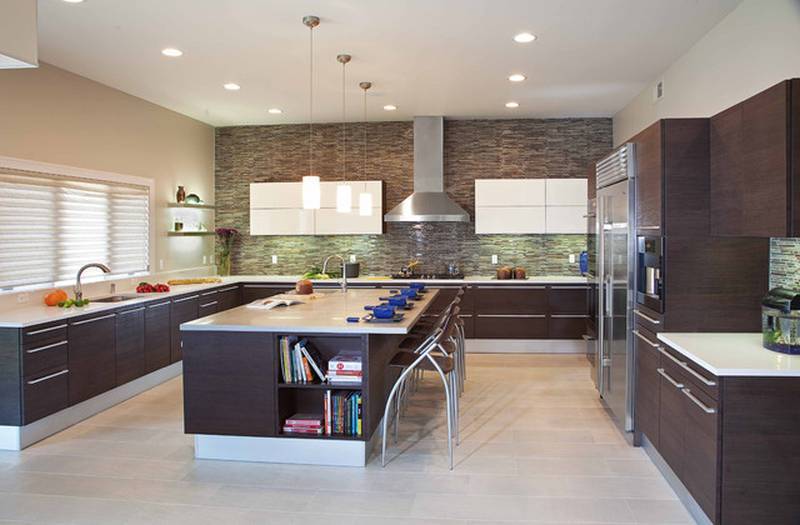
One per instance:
(510,287)
(513,316)
(48,347)
(268,285)
(165,303)
(51,376)
(649,227)
(668,378)
(45,330)
(569,287)
(228,289)
(646,317)
(185,299)
(212,303)
(699,377)
(674,359)
(212,292)
(109,316)
(132,311)
(646,340)
(567,316)
(705,408)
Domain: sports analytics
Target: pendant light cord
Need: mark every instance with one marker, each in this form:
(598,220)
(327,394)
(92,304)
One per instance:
(344,125)
(364,172)
(311,103)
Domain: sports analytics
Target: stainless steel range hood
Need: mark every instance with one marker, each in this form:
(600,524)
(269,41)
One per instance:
(429,202)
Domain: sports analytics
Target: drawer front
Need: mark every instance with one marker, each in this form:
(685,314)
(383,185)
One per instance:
(229,297)
(700,465)
(568,300)
(157,337)
(563,326)
(183,310)
(702,379)
(45,356)
(511,327)
(208,304)
(42,334)
(648,380)
(469,325)
(672,419)
(648,319)
(511,300)
(251,292)
(130,344)
(45,393)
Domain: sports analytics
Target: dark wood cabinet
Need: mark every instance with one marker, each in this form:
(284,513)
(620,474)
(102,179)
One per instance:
(648,391)
(251,292)
(157,336)
(511,299)
(46,393)
(130,344)
(229,297)
(755,175)
(701,449)
(183,310)
(672,419)
(672,178)
(508,326)
(208,303)
(92,358)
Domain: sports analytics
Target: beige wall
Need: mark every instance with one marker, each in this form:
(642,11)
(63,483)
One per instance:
(51,115)
(754,47)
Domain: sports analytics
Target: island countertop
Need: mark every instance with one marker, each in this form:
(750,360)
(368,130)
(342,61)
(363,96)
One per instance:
(325,313)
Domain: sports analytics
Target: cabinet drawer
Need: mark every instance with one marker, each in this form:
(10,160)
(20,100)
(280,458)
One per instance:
(208,303)
(45,393)
(647,319)
(566,326)
(700,378)
(700,466)
(672,419)
(568,300)
(648,381)
(251,292)
(229,297)
(157,337)
(43,334)
(469,325)
(45,356)
(511,300)
(511,327)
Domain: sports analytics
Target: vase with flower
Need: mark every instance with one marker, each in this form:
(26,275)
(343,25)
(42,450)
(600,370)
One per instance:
(225,240)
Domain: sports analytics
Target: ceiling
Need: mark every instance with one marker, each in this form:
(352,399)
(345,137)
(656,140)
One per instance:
(427,57)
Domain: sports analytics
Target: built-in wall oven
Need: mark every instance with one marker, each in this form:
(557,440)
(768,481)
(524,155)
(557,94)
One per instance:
(650,273)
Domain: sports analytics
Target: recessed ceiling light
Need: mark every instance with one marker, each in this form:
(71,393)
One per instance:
(230,86)
(275,111)
(171,52)
(512,104)
(389,107)
(516,77)
(524,38)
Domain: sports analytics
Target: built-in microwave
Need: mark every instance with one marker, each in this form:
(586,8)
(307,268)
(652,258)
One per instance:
(650,274)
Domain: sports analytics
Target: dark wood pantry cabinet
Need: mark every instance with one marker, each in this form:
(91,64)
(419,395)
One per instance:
(755,165)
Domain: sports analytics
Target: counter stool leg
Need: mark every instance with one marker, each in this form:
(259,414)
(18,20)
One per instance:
(447,398)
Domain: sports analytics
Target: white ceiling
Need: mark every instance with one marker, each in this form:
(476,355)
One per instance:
(427,57)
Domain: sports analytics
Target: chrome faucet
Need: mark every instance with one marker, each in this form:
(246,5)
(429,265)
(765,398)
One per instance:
(78,291)
(344,271)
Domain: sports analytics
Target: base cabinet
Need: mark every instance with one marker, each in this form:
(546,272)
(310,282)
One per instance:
(251,292)
(130,344)
(157,336)
(183,310)
(92,357)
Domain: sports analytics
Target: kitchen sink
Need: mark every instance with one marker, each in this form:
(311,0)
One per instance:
(114,299)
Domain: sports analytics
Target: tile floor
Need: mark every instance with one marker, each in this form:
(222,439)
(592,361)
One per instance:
(537,447)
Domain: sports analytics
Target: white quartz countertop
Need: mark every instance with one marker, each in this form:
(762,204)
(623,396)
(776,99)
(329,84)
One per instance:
(325,313)
(733,354)
(28,315)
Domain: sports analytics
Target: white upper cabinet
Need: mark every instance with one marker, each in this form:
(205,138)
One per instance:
(566,192)
(530,206)
(509,192)
(276,208)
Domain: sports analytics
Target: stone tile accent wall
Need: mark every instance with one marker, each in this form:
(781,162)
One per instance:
(525,148)
(784,264)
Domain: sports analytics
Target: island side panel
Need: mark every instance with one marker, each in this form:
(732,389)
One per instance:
(229,383)
(379,377)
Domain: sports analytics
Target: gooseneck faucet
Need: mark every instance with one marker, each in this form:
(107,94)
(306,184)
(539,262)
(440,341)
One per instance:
(344,271)
(78,291)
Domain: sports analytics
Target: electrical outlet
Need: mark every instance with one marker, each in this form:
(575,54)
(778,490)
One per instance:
(205,259)
(274,259)
(161,264)
(494,259)
(352,258)
(23,297)
(572,258)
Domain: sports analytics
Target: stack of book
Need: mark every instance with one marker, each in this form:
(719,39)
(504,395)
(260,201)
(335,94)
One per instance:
(343,413)
(304,424)
(345,368)
(300,362)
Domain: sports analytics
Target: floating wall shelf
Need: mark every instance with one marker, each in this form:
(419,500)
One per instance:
(188,233)
(190,205)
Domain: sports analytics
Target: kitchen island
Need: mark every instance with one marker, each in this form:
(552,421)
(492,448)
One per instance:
(236,400)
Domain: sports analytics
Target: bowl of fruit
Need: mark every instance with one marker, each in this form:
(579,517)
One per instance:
(145,287)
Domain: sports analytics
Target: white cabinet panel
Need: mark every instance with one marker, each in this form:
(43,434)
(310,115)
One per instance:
(566,192)
(281,222)
(276,195)
(513,219)
(509,192)
(566,219)
(330,222)
(328,197)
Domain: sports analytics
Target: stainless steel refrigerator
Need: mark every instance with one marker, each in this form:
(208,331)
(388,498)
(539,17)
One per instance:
(613,366)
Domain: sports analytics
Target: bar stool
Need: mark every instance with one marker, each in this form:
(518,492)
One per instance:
(423,358)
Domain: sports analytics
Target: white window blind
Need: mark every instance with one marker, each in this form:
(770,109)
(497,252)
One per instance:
(51,225)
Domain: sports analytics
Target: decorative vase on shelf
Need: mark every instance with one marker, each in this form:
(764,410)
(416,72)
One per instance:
(180,195)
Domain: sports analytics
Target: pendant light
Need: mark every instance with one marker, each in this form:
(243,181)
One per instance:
(344,192)
(365,197)
(311,184)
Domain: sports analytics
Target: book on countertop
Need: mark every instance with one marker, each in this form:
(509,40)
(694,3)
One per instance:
(268,303)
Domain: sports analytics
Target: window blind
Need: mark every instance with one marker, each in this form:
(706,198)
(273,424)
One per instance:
(51,225)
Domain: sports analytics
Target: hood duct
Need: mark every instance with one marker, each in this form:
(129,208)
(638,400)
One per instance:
(429,202)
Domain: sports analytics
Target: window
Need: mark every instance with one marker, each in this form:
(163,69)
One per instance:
(51,225)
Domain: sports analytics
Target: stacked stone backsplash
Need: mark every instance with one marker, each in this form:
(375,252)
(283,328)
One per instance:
(526,148)
(784,264)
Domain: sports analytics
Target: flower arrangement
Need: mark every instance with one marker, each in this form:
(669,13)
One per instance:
(225,239)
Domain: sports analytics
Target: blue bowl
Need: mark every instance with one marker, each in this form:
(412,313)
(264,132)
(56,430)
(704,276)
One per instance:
(383,312)
(411,293)
(397,301)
